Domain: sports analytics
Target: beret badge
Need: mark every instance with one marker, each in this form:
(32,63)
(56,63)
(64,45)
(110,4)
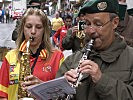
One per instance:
(102,6)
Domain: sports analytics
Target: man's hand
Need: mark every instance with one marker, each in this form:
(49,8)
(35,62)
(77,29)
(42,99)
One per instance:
(71,75)
(87,66)
(58,45)
(91,68)
(74,30)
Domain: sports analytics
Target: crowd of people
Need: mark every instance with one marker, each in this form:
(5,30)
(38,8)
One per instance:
(5,15)
(107,72)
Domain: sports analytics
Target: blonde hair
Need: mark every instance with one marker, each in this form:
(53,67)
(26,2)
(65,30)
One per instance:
(46,35)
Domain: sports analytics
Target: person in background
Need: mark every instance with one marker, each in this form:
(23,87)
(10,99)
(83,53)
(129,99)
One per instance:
(108,71)
(0,15)
(3,14)
(125,27)
(7,15)
(71,41)
(44,59)
(61,32)
(56,23)
(32,4)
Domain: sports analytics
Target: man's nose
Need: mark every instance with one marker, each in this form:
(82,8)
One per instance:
(92,30)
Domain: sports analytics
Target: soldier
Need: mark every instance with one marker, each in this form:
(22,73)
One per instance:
(108,71)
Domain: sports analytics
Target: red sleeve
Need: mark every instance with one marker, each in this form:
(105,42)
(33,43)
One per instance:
(4,78)
(59,58)
(55,36)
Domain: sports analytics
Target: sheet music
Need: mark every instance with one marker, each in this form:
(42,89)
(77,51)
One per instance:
(52,89)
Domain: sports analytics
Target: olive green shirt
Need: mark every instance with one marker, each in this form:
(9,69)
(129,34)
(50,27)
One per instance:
(116,64)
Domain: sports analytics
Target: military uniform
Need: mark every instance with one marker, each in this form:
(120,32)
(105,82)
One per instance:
(116,64)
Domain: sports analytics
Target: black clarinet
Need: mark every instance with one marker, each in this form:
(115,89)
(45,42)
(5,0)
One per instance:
(86,54)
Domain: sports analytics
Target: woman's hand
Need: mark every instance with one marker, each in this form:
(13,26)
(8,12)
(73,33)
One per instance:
(3,98)
(30,81)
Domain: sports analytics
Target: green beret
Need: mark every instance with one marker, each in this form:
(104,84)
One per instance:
(97,6)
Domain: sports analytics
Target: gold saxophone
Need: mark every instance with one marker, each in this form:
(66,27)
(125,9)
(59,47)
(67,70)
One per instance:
(25,70)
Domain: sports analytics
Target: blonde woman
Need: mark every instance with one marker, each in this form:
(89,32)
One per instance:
(44,59)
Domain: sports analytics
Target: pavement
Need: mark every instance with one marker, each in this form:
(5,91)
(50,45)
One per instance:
(6,36)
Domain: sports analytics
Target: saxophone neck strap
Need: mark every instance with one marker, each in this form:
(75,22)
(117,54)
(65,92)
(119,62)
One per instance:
(33,66)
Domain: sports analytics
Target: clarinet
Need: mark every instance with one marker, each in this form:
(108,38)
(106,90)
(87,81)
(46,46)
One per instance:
(86,54)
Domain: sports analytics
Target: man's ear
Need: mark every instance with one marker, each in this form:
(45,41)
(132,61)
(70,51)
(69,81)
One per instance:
(115,22)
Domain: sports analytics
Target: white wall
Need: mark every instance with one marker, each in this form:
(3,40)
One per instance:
(129,4)
(21,4)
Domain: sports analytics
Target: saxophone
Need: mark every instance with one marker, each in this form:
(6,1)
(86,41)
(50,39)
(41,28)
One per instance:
(25,70)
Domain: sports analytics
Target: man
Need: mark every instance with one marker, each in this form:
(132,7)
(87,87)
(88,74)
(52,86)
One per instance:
(7,15)
(57,22)
(125,27)
(108,73)
(61,32)
(71,40)
(32,4)
(0,14)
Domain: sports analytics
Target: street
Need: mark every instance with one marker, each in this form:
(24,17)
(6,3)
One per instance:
(6,35)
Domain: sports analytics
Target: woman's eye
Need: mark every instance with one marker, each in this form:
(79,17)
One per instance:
(39,27)
(28,26)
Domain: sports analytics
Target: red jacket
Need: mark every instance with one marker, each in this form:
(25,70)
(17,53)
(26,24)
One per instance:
(60,33)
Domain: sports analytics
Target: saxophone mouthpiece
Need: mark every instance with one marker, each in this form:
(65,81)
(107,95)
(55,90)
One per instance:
(31,39)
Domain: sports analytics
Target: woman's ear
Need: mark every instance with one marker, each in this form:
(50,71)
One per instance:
(115,22)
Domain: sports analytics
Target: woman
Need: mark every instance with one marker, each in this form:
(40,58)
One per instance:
(44,59)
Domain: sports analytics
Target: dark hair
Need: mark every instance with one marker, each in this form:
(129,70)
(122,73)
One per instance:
(68,17)
(34,6)
(67,9)
(112,15)
(34,1)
